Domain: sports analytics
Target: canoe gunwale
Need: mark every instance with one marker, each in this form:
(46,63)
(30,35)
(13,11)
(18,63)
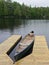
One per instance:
(24,51)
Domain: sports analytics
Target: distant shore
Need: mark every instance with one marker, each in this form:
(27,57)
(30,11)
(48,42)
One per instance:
(15,10)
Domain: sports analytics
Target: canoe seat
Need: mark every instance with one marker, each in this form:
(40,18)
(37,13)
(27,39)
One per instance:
(24,44)
(31,34)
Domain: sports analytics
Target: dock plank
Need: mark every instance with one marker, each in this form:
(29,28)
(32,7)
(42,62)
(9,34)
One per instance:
(39,56)
(5,46)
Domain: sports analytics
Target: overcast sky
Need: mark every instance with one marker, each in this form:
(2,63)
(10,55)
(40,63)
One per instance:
(37,3)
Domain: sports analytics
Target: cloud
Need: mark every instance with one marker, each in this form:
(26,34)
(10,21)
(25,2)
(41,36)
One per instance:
(37,3)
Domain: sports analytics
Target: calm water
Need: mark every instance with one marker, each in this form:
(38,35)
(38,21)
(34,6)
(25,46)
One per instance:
(10,27)
(23,27)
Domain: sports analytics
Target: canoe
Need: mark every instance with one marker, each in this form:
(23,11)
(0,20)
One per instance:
(25,46)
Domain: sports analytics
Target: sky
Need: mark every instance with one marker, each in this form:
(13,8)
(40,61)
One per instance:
(33,3)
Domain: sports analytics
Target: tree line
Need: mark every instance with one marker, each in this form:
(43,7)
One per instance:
(16,10)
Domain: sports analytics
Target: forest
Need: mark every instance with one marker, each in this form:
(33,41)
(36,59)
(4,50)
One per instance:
(9,9)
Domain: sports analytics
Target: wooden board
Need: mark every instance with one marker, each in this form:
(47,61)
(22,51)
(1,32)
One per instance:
(39,56)
(6,46)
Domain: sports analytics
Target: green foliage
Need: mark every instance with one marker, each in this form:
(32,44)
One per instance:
(9,1)
(14,9)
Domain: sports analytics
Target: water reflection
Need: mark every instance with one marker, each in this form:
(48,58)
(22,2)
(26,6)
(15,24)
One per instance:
(8,24)
(12,26)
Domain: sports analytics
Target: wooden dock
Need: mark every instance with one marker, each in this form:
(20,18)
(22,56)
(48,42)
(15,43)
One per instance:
(39,56)
(6,47)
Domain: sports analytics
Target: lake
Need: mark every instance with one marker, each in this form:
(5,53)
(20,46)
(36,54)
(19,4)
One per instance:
(10,27)
(23,27)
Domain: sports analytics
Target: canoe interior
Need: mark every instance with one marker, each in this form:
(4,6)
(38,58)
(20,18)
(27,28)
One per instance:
(24,43)
(25,47)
